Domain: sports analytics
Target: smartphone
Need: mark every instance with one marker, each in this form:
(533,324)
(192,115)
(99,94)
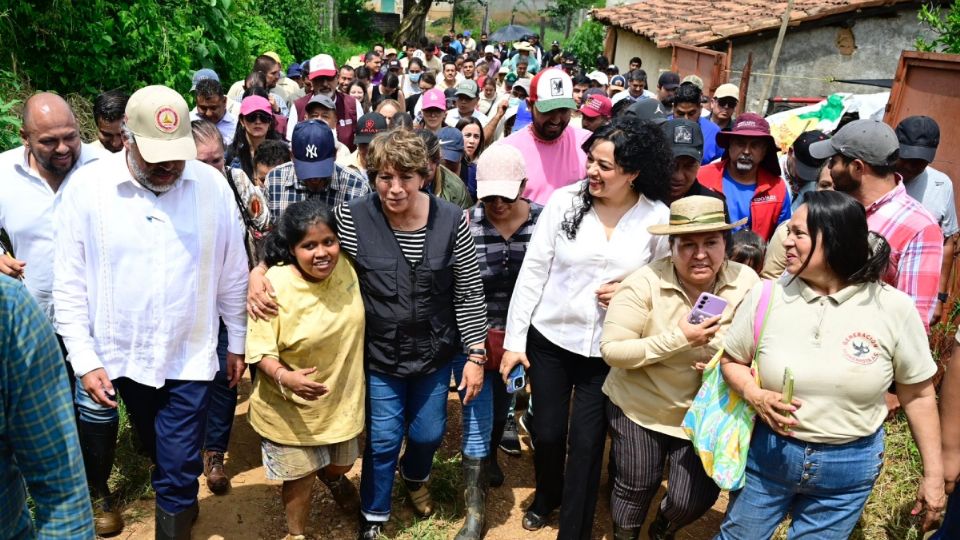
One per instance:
(517,379)
(787,389)
(708,305)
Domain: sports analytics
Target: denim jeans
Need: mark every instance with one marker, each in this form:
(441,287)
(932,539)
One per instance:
(91,411)
(824,487)
(223,401)
(478,414)
(398,406)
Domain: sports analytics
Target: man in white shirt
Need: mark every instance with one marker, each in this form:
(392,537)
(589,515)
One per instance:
(468,97)
(34,178)
(149,253)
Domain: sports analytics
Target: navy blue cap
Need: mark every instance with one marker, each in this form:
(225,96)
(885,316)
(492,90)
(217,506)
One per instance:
(451,143)
(314,150)
(294,70)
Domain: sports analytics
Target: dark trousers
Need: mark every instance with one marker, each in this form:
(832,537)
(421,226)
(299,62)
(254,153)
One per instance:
(640,455)
(555,375)
(223,402)
(169,422)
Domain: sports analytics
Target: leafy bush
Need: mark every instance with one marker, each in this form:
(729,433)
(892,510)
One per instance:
(946,28)
(587,43)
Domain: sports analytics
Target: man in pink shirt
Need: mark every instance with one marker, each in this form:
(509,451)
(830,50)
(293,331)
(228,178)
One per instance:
(551,146)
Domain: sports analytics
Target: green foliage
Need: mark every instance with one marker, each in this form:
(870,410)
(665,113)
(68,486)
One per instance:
(356,24)
(10,87)
(587,43)
(947,28)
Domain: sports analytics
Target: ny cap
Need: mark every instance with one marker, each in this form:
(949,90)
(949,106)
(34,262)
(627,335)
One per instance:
(314,150)
(160,121)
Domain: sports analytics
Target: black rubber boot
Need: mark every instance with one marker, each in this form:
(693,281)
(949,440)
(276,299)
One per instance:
(98,443)
(661,529)
(625,533)
(474,494)
(494,474)
(175,526)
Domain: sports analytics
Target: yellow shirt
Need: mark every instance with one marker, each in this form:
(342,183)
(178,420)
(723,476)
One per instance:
(844,350)
(653,378)
(320,325)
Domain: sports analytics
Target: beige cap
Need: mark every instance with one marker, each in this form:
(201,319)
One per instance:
(273,55)
(160,120)
(694,80)
(500,171)
(727,90)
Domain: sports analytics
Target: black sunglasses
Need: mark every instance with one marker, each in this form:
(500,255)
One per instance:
(494,198)
(727,103)
(261,117)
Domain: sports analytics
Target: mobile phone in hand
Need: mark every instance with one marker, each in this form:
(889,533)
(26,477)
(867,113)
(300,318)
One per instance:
(517,379)
(707,306)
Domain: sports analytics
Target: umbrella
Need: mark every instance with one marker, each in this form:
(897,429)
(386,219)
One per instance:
(511,32)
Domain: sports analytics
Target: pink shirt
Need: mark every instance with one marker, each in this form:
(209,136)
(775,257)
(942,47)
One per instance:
(551,164)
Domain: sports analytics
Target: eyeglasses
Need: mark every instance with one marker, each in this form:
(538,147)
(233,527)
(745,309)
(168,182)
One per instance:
(261,117)
(491,199)
(727,103)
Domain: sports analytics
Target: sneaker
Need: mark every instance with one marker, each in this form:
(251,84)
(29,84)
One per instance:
(217,479)
(369,530)
(510,441)
(526,424)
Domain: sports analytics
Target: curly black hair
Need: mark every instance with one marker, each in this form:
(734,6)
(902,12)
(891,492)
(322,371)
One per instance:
(640,147)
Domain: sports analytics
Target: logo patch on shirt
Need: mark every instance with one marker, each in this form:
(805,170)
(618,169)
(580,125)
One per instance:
(765,198)
(167,119)
(861,348)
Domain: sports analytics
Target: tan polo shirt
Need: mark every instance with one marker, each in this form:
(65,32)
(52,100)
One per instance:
(653,378)
(844,350)
(775,261)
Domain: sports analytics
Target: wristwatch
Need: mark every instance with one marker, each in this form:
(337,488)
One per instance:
(943,297)
(477,352)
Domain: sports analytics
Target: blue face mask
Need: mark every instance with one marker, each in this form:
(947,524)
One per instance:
(513,102)
(414,77)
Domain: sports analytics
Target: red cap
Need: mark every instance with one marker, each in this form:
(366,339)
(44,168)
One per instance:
(597,105)
(322,65)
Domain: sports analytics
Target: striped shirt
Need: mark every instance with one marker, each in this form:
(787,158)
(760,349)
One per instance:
(283,188)
(468,300)
(39,449)
(916,247)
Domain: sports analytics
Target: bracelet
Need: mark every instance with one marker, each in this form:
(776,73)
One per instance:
(279,375)
(478,352)
(477,362)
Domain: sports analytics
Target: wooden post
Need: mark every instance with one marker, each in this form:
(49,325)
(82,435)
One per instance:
(772,68)
(744,83)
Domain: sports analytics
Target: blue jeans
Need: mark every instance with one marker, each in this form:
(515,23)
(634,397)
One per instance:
(398,406)
(950,528)
(478,414)
(169,422)
(823,486)
(223,401)
(91,411)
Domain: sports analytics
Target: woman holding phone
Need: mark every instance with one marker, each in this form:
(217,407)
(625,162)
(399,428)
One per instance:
(656,348)
(845,336)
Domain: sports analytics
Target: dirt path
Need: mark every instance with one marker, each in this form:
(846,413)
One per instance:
(252,507)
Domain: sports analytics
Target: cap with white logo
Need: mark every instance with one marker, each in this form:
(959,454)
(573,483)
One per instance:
(160,121)
(314,150)
(552,89)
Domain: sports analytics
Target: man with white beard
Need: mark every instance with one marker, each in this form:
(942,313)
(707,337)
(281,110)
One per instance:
(748,174)
(149,255)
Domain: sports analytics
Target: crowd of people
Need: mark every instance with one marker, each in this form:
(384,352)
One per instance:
(356,236)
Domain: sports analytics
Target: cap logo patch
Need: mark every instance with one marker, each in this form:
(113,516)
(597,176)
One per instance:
(311,151)
(167,120)
(683,135)
(556,87)
(368,124)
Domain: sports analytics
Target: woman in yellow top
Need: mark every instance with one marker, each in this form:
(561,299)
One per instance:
(308,400)
(656,354)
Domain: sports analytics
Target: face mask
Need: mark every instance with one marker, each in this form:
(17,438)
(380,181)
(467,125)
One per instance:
(414,77)
(513,102)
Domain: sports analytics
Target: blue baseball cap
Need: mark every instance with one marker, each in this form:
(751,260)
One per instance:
(451,143)
(201,74)
(294,70)
(314,150)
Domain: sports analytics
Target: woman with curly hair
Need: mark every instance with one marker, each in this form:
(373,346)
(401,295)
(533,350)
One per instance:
(591,235)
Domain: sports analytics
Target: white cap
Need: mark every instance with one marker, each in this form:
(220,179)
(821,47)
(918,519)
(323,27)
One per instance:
(489,49)
(599,77)
(160,121)
(500,171)
(727,90)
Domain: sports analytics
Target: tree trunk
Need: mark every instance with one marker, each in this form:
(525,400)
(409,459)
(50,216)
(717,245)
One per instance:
(566,33)
(414,20)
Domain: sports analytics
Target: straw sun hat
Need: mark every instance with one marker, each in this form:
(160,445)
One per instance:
(695,214)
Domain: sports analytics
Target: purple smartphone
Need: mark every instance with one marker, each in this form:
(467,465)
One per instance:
(708,305)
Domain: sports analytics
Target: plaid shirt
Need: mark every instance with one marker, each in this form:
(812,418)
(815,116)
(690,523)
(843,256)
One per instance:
(283,188)
(916,247)
(39,449)
(499,259)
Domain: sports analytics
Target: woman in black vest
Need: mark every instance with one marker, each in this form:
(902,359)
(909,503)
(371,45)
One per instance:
(424,303)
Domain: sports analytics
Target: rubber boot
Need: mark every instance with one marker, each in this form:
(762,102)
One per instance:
(474,494)
(661,529)
(625,533)
(175,526)
(494,474)
(98,443)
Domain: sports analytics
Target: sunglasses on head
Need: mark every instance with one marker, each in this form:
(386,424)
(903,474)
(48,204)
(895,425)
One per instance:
(495,198)
(258,116)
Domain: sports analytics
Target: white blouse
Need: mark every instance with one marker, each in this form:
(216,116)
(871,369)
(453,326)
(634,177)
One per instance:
(556,288)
